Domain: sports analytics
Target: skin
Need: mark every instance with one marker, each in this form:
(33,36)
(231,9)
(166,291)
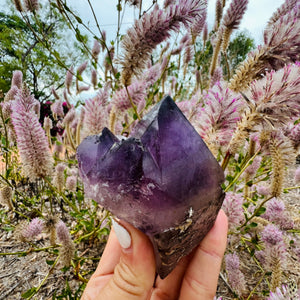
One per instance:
(128,274)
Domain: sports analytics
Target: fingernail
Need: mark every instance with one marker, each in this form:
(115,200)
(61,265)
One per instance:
(122,234)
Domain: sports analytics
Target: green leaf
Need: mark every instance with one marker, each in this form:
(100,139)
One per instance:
(49,262)
(261,211)
(29,293)
(7,173)
(85,223)
(249,183)
(78,19)
(104,231)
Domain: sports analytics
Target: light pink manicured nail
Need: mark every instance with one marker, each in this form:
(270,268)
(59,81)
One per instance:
(122,234)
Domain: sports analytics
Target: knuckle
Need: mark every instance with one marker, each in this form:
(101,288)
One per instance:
(199,289)
(127,281)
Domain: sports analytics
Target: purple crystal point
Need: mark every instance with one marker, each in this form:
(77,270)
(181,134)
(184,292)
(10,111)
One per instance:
(163,180)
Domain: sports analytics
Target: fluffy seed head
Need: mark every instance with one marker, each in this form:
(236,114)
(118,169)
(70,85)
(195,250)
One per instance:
(34,228)
(11,94)
(70,116)
(152,29)
(271,235)
(62,232)
(137,92)
(18,5)
(31,5)
(96,114)
(71,183)
(96,50)
(218,118)
(235,276)
(6,196)
(263,190)
(47,124)
(94,79)
(54,93)
(297,176)
(232,207)
(32,142)
(17,79)
(81,68)
(69,79)
(285,8)
(68,247)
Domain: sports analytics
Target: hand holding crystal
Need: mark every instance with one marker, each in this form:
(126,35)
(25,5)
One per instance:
(127,268)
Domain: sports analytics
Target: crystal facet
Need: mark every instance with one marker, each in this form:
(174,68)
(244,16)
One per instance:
(162,179)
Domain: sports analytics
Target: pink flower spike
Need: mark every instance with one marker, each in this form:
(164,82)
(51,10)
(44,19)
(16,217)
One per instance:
(34,228)
(31,5)
(57,108)
(263,190)
(137,92)
(234,13)
(152,29)
(233,208)
(31,138)
(63,234)
(297,176)
(17,79)
(71,183)
(96,49)
(235,276)
(81,68)
(68,80)
(272,235)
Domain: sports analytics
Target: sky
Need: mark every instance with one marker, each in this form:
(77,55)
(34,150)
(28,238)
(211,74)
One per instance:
(254,20)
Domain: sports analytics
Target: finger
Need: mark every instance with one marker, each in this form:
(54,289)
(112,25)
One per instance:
(168,288)
(134,274)
(105,269)
(201,277)
(110,257)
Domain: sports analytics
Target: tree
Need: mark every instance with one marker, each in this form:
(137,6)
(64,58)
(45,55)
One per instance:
(39,45)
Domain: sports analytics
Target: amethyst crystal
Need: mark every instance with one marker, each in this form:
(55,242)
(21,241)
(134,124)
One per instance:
(163,180)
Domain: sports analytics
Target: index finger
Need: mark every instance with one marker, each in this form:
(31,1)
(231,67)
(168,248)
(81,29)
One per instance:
(201,277)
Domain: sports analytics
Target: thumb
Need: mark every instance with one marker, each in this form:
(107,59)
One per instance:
(134,274)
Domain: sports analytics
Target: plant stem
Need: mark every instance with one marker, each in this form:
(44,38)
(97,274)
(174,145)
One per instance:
(70,138)
(291,188)
(242,170)
(45,278)
(119,25)
(62,195)
(140,9)
(29,251)
(226,283)
(227,66)
(258,283)
(101,33)
(255,211)
(6,139)
(226,160)
(132,104)
(94,231)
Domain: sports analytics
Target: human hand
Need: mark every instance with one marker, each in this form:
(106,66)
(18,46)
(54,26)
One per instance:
(127,272)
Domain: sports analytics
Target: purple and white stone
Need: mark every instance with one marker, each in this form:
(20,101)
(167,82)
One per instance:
(162,179)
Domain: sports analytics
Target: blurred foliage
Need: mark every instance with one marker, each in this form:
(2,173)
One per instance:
(39,46)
